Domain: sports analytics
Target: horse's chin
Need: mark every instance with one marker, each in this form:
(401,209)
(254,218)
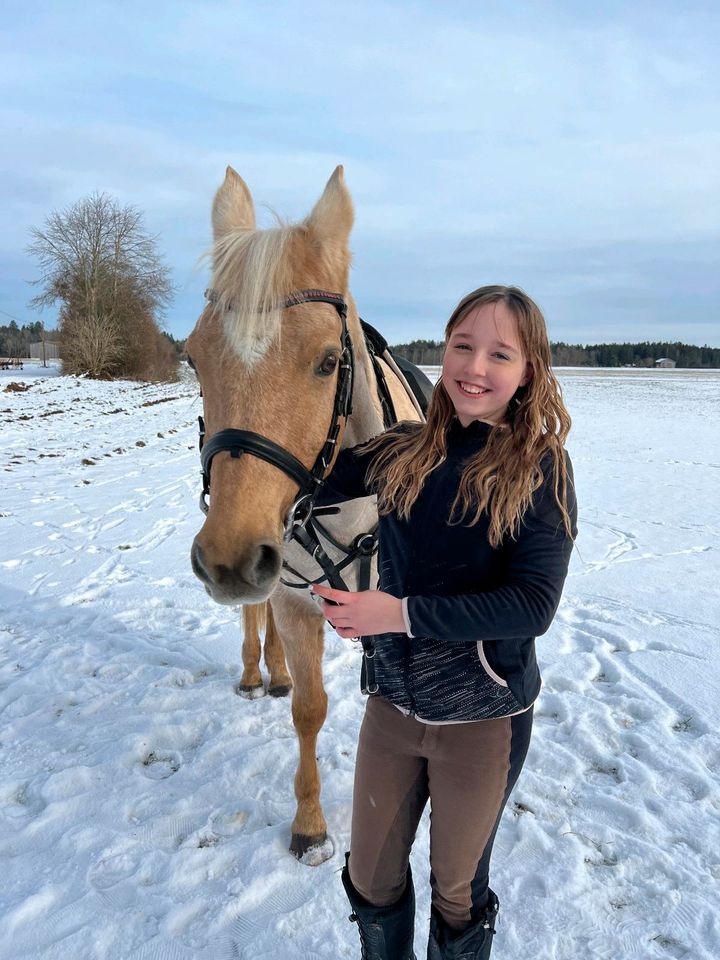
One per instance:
(234,598)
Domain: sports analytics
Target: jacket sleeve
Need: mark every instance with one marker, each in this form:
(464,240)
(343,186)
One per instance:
(346,480)
(524,606)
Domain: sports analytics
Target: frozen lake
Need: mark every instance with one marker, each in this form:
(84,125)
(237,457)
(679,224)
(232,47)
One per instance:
(145,808)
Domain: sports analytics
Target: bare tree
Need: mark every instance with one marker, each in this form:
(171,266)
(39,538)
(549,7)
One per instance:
(112,284)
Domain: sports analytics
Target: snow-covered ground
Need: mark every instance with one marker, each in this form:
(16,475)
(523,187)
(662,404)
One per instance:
(145,808)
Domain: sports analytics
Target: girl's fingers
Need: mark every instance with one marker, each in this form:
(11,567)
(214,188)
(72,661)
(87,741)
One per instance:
(335,609)
(328,593)
(343,628)
(340,624)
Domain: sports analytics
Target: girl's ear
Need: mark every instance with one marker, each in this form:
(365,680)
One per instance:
(527,376)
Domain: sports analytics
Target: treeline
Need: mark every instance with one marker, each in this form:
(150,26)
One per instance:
(15,341)
(643,354)
(178,346)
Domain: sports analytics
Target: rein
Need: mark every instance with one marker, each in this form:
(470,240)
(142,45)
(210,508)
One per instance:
(301,523)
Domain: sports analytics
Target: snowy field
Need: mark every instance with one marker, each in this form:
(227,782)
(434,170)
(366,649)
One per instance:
(145,809)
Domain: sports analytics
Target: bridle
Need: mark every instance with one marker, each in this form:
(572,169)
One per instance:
(302,523)
(237,442)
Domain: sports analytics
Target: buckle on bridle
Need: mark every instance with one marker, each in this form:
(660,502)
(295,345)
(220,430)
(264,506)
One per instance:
(298,515)
(366,544)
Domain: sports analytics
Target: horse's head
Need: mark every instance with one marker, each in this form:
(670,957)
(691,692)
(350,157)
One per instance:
(268,368)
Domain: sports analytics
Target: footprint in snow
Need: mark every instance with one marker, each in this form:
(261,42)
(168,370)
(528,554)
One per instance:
(167,833)
(164,950)
(111,878)
(157,766)
(254,923)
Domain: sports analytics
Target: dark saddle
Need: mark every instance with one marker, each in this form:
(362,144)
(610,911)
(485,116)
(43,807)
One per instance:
(419,383)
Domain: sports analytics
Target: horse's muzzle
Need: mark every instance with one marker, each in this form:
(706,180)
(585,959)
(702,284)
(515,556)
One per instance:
(251,580)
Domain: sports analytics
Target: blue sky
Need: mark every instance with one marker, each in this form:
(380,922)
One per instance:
(572,149)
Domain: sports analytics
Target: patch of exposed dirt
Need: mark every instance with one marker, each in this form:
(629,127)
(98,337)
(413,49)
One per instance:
(152,403)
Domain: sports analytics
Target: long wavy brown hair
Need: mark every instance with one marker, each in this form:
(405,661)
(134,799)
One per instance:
(503,477)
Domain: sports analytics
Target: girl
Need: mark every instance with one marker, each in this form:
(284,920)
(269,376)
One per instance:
(477,522)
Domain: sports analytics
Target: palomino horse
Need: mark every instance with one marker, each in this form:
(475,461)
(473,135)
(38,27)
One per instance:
(287,379)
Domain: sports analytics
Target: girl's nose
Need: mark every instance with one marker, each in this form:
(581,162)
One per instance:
(477,364)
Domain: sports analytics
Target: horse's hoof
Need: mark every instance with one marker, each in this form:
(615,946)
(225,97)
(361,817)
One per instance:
(250,691)
(312,851)
(280,690)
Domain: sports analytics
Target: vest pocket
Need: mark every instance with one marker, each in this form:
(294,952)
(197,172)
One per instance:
(486,666)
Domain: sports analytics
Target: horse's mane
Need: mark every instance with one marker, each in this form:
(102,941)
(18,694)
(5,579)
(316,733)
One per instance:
(252,276)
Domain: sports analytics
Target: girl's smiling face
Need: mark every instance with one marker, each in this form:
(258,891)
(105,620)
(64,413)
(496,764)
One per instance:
(484,364)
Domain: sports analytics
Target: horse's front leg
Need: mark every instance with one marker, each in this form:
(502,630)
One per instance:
(280,682)
(303,639)
(254,620)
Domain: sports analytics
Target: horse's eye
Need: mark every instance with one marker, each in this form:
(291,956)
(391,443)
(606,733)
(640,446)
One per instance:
(328,365)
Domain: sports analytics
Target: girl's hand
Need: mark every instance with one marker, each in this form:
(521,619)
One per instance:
(361,614)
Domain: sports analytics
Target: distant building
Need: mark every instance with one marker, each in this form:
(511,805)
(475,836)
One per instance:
(52,350)
(665,362)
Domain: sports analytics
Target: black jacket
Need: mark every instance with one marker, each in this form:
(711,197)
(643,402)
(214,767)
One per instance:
(473,611)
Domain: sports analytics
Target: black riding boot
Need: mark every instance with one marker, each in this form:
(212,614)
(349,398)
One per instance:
(474,943)
(386,933)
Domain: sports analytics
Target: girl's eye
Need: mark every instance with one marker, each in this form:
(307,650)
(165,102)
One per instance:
(502,356)
(328,365)
(462,346)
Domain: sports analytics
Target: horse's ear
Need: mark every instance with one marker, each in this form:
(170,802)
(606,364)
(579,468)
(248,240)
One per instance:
(332,216)
(233,207)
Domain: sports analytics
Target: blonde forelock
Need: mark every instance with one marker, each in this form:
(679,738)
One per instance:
(252,276)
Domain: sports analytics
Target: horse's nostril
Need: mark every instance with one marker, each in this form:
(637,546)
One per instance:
(262,566)
(266,563)
(253,576)
(196,561)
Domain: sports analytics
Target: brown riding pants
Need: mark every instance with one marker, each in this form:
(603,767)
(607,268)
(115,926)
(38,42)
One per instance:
(466,770)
